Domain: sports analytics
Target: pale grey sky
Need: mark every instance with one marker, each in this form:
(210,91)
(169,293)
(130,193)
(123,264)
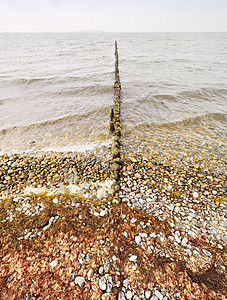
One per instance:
(114,15)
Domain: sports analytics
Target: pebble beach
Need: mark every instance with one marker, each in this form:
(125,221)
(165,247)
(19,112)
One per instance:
(62,238)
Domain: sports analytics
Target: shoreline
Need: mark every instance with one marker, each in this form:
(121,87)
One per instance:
(85,247)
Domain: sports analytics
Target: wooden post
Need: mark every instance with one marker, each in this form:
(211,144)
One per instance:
(115,124)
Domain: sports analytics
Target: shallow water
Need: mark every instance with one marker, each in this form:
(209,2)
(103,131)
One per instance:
(56,89)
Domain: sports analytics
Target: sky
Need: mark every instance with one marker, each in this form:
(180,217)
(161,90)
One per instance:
(113,15)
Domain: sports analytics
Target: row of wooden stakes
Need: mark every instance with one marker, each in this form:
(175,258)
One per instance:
(115,129)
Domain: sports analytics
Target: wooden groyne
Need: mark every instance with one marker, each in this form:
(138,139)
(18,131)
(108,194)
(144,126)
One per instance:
(115,128)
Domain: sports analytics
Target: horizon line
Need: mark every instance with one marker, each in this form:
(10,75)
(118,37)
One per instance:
(102,31)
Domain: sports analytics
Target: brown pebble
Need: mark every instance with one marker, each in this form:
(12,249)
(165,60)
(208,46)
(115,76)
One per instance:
(137,175)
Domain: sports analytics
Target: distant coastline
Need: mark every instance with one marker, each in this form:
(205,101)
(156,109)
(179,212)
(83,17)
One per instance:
(91,30)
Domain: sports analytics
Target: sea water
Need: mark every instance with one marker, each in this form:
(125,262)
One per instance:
(56,89)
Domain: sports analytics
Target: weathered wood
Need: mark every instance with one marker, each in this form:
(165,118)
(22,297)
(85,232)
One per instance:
(115,125)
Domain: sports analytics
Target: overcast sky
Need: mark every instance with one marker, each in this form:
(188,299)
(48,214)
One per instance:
(114,15)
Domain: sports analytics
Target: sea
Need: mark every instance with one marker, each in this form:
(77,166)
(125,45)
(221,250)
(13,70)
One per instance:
(56,89)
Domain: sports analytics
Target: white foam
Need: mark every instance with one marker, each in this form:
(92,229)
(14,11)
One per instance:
(77,148)
(59,149)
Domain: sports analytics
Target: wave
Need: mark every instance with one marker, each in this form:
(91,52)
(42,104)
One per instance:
(66,120)
(207,94)
(29,81)
(57,79)
(90,89)
(207,120)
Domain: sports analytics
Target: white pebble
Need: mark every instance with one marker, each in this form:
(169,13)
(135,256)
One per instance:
(80,280)
(114,258)
(184,242)
(158,294)
(102,213)
(148,294)
(121,296)
(133,258)
(129,295)
(195,195)
(102,283)
(177,239)
(54,263)
(137,239)
(55,200)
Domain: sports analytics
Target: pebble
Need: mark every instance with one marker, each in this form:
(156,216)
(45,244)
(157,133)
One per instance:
(137,239)
(195,195)
(55,200)
(133,258)
(54,263)
(206,252)
(121,295)
(184,242)
(80,280)
(114,258)
(102,283)
(158,295)
(129,295)
(125,234)
(177,239)
(188,251)
(148,294)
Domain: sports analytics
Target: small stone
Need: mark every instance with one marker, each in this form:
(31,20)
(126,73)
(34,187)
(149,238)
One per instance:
(184,242)
(195,195)
(161,238)
(89,274)
(133,258)
(219,246)
(102,283)
(137,239)
(158,294)
(148,294)
(137,176)
(102,213)
(129,295)
(55,200)
(206,252)
(126,283)
(80,280)
(133,220)
(115,200)
(109,287)
(54,263)
(192,234)
(114,258)
(177,239)
(121,296)
(188,251)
